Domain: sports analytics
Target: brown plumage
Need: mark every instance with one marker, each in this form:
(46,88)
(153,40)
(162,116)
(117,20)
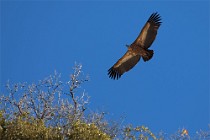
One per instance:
(138,49)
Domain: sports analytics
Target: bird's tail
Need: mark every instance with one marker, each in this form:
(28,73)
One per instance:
(148,56)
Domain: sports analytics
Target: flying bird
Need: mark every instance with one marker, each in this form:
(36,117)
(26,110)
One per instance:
(138,49)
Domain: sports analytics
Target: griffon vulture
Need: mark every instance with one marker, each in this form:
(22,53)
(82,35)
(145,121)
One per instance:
(138,49)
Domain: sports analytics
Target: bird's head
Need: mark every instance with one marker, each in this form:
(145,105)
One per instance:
(127,45)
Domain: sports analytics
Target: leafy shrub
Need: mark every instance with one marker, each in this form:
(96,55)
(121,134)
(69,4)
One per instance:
(53,110)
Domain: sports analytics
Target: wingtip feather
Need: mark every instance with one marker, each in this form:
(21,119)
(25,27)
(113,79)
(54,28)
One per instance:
(113,73)
(155,17)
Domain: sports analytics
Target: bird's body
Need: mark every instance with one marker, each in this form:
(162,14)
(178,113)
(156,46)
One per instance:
(138,49)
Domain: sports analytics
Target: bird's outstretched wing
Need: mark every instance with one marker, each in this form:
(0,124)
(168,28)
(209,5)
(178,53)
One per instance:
(124,64)
(149,31)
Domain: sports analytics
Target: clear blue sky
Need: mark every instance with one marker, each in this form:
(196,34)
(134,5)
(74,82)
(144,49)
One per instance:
(169,92)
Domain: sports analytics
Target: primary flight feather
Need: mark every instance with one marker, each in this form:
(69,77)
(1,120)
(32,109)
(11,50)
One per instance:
(138,49)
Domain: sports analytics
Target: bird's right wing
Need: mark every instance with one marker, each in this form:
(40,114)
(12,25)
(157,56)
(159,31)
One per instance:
(124,64)
(149,31)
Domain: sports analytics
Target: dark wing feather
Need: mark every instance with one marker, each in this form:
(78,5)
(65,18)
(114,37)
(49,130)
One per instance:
(149,31)
(124,64)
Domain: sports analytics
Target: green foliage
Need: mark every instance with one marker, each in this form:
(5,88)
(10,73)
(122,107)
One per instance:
(140,133)
(49,110)
(84,131)
(53,110)
(2,124)
(36,129)
(20,128)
